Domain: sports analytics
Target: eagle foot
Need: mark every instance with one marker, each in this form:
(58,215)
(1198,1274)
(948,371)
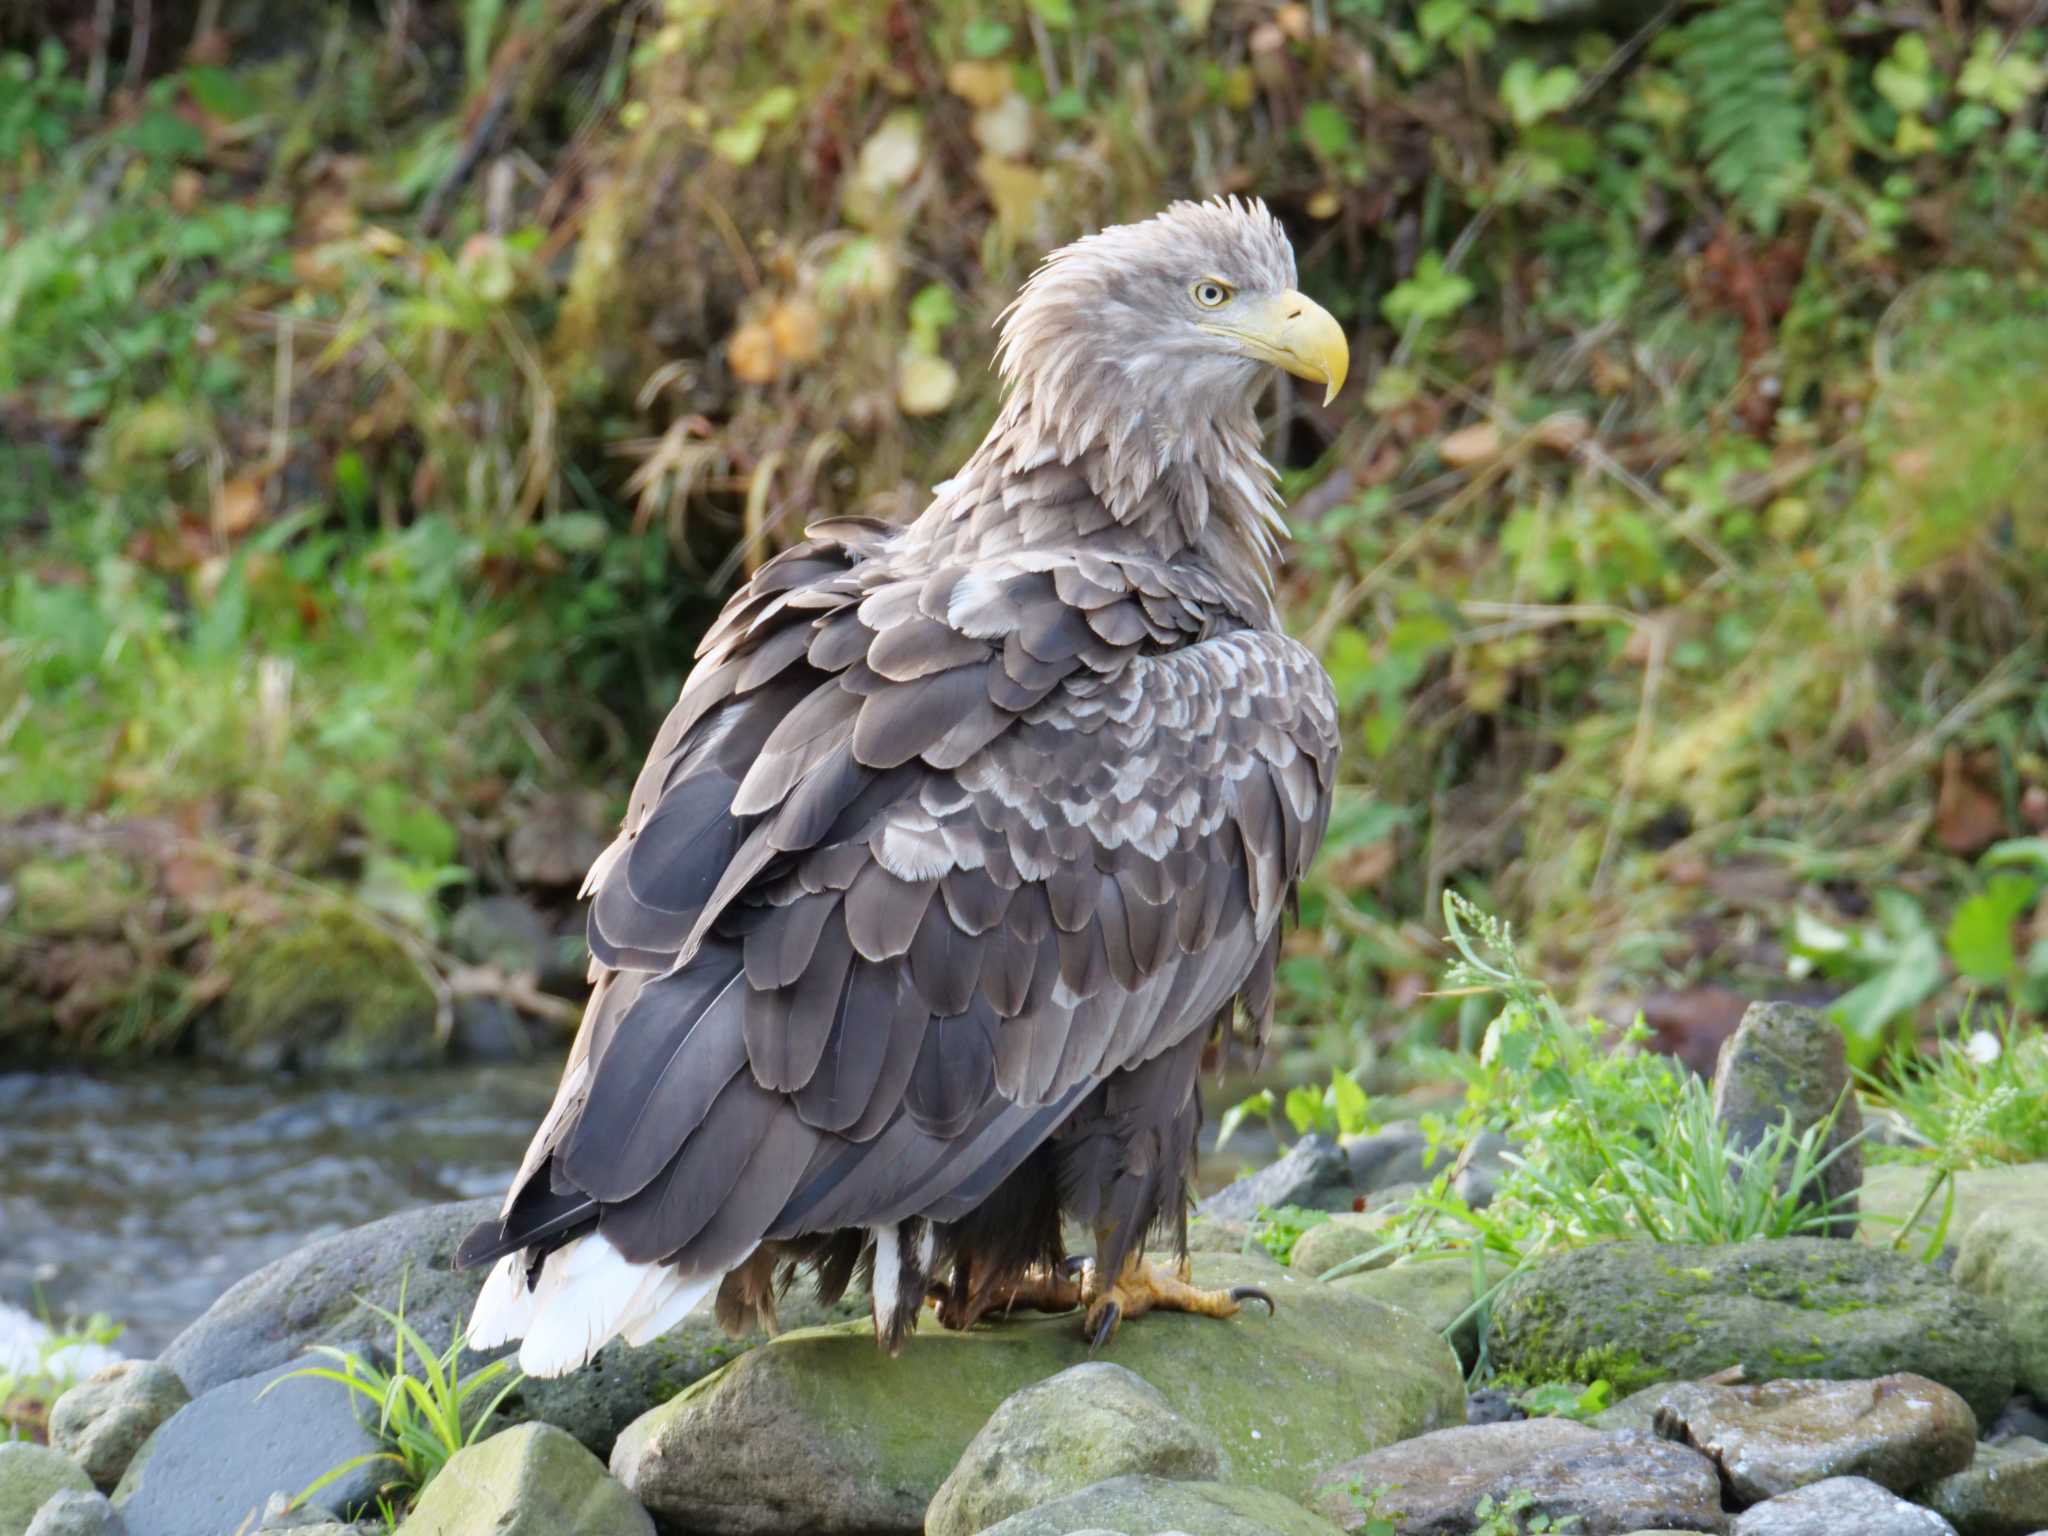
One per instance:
(1142,1287)
(1051,1289)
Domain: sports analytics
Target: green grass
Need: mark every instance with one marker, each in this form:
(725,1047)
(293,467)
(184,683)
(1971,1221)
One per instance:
(1980,1097)
(426,1409)
(26,1396)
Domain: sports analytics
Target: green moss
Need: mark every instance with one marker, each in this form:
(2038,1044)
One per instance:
(329,991)
(85,894)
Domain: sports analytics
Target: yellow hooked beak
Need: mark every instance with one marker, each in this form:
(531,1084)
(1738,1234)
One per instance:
(1292,331)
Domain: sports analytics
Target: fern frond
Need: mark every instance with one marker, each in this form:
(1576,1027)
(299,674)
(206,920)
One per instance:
(1749,123)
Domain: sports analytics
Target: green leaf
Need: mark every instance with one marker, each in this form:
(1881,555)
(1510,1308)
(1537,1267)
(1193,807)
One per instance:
(221,93)
(1906,79)
(1326,130)
(1304,1108)
(741,142)
(2031,852)
(1532,94)
(984,39)
(1980,934)
(1433,293)
(1055,13)
(1866,1011)
(1354,1106)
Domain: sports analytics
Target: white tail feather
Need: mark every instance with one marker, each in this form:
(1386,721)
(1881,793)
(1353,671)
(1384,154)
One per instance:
(587,1294)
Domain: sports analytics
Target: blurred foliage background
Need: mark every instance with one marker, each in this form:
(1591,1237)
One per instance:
(390,390)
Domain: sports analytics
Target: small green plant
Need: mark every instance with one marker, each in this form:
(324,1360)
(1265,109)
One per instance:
(1375,1518)
(1613,1142)
(26,1395)
(1509,1516)
(1278,1229)
(1566,1399)
(425,1413)
(1341,1109)
(1976,1099)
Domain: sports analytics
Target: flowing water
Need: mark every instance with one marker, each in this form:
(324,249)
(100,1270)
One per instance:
(145,1195)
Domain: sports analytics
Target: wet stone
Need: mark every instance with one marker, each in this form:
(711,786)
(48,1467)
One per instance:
(214,1464)
(1432,1484)
(72,1513)
(1837,1507)
(1314,1174)
(2003,1492)
(102,1422)
(1898,1431)
(30,1476)
(1086,1424)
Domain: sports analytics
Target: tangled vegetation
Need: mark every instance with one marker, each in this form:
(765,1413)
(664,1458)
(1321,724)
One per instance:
(387,401)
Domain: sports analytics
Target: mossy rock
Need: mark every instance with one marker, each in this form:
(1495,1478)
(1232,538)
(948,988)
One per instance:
(1155,1504)
(86,893)
(330,992)
(1892,1192)
(1439,1291)
(1347,1235)
(821,1432)
(1640,1313)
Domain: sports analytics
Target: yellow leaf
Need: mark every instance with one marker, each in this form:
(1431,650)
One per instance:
(1017,192)
(1325,205)
(925,385)
(1470,445)
(239,505)
(795,327)
(979,82)
(750,353)
(1005,129)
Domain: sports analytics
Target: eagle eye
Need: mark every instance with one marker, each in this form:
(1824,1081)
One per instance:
(1212,293)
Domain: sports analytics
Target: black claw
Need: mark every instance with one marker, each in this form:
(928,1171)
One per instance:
(1111,1314)
(1072,1264)
(1251,1293)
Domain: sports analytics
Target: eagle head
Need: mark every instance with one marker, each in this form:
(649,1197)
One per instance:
(1177,318)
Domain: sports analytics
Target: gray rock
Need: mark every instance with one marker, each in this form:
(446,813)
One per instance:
(1640,1313)
(72,1513)
(1345,1236)
(309,1297)
(1210,1234)
(505,931)
(1837,1507)
(1607,1484)
(533,1480)
(1892,1192)
(1439,1291)
(1433,1482)
(1395,1155)
(1490,1405)
(102,1422)
(214,1464)
(556,838)
(1484,1164)
(2003,1492)
(2024,1416)
(284,1512)
(1898,1431)
(2004,1259)
(811,1432)
(1145,1504)
(30,1476)
(488,1030)
(1637,1411)
(1314,1174)
(1083,1426)
(1785,1063)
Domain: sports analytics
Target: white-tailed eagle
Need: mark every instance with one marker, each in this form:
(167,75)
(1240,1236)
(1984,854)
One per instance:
(963,843)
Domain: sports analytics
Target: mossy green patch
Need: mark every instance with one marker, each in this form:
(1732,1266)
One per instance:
(332,990)
(1641,1313)
(819,1423)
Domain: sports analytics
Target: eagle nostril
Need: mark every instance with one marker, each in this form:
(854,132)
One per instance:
(1294,314)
